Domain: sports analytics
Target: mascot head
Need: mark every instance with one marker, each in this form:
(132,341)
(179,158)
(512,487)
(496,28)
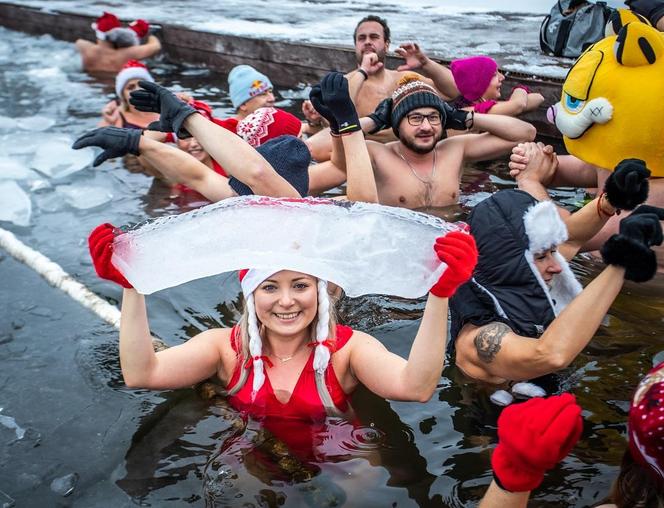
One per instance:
(611,106)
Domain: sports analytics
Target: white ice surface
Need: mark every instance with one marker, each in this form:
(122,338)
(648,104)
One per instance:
(55,158)
(84,197)
(364,248)
(15,206)
(11,169)
(501,398)
(35,123)
(525,389)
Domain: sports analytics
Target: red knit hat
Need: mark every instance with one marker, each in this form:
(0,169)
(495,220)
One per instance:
(141,27)
(267,123)
(104,24)
(473,75)
(646,423)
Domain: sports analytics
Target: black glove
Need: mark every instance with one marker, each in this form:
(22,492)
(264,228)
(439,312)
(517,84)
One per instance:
(627,187)
(115,141)
(455,118)
(631,247)
(334,87)
(157,99)
(651,9)
(382,116)
(316,98)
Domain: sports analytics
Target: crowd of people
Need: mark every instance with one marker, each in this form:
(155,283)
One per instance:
(397,138)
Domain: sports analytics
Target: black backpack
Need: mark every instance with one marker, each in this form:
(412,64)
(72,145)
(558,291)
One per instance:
(572,26)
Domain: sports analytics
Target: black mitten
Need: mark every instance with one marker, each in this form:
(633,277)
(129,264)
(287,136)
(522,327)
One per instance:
(627,187)
(382,116)
(334,87)
(157,99)
(115,141)
(455,118)
(631,247)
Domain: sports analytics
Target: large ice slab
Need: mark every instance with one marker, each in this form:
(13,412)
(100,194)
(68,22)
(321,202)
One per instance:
(84,197)
(16,206)
(364,248)
(11,169)
(55,157)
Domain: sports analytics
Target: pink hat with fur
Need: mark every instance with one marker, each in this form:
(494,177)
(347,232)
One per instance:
(473,75)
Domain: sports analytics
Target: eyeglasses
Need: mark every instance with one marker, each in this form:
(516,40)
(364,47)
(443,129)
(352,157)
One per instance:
(416,119)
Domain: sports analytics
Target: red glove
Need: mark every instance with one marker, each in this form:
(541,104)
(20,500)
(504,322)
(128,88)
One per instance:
(459,252)
(100,242)
(533,437)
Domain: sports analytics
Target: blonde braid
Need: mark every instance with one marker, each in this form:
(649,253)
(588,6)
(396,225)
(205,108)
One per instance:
(255,347)
(322,353)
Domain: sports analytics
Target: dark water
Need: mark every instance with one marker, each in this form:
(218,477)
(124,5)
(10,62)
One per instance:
(60,381)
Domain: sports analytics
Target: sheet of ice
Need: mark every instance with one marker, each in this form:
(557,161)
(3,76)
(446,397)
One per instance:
(56,159)
(7,123)
(364,248)
(11,169)
(35,123)
(15,206)
(525,389)
(84,197)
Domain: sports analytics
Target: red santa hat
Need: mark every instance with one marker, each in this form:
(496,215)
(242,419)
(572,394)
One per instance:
(104,24)
(267,123)
(133,69)
(141,27)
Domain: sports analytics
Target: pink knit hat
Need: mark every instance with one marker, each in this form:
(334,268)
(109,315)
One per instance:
(472,75)
(646,423)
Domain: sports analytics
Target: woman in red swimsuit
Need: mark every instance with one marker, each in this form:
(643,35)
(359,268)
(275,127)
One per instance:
(287,357)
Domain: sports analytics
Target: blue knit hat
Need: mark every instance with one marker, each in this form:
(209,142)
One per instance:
(245,82)
(289,157)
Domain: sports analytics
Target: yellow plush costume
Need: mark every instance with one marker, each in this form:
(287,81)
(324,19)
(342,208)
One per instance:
(612,105)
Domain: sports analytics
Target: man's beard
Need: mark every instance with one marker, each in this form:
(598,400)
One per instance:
(379,54)
(410,143)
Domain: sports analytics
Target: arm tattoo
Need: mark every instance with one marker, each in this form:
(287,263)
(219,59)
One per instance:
(488,339)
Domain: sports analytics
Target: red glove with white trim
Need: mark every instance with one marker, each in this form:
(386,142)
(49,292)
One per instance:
(459,252)
(100,242)
(533,437)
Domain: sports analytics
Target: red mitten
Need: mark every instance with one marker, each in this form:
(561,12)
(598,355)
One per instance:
(532,438)
(459,252)
(100,242)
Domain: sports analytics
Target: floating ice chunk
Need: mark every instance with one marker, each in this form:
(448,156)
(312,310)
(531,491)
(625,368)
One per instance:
(18,143)
(84,197)
(49,202)
(55,157)
(35,123)
(10,423)
(501,398)
(364,248)
(7,124)
(65,485)
(11,169)
(528,390)
(16,206)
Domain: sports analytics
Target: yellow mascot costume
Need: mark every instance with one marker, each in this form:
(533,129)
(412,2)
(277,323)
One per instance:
(612,104)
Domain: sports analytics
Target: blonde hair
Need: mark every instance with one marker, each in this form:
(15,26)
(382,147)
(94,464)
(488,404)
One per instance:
(321,329)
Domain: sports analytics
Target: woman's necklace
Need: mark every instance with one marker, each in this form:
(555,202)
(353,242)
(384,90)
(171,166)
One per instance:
(428,183)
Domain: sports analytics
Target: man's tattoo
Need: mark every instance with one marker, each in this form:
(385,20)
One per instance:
(487,341)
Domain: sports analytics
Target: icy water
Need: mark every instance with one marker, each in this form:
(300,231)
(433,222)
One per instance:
(507,31)
(71,434)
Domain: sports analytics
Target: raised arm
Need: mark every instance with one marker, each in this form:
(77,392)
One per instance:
(174,164)
(197,359)
(416,59)
(500,134)
(237,157)
(332,99)
(532,438)
(495,353)
(142,51)
(389,375)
